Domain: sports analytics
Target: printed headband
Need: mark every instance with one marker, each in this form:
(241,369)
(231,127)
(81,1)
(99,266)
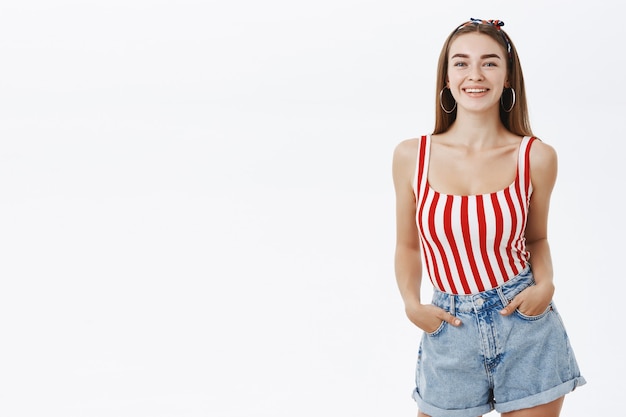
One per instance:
(497,24)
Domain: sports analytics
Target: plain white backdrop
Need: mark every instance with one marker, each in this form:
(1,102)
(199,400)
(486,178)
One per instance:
(196,206)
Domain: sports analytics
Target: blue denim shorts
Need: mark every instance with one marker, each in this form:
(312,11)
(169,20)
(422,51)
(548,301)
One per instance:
(492,361)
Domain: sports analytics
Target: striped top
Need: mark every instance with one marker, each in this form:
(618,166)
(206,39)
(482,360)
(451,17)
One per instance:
(473,243)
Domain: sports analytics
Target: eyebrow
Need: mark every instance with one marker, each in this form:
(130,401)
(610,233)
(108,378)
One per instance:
(486,56)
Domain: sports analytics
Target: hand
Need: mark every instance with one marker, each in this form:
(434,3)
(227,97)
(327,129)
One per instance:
(532,301)
(429,317)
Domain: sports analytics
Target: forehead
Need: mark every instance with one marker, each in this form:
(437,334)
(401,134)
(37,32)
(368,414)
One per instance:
(475,44)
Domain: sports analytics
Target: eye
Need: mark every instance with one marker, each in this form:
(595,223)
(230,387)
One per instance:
(491,64)
(458,64)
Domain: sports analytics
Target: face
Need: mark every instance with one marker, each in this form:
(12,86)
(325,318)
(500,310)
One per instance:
(477,72)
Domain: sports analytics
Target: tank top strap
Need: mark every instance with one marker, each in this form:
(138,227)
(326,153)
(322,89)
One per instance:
(523,164)
(420,178)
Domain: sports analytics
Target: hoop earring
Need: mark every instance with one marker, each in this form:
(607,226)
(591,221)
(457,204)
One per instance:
(441,102)
(512,103)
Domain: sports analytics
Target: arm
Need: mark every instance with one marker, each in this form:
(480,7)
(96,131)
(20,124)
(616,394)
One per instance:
(408,262)
(534,300)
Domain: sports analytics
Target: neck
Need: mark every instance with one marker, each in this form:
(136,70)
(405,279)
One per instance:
(477,130)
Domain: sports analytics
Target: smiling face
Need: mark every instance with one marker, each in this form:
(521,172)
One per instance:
(477,72)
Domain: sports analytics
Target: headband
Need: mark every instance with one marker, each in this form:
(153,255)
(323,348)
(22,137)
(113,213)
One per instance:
(496,24)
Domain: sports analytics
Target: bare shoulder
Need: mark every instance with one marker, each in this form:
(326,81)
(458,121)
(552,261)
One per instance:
(543,154)
(404,160)
(406,151)
(543,163)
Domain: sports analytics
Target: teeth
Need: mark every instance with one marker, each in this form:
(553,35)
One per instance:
(475,90)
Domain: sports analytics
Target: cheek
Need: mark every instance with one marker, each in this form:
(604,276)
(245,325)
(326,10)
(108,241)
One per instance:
(454,80)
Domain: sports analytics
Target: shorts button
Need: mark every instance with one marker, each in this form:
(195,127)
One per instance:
(480,302)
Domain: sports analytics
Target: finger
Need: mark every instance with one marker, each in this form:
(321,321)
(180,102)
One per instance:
(509,309)
(455,321)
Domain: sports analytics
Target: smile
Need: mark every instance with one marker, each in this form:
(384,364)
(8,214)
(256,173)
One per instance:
(476,90)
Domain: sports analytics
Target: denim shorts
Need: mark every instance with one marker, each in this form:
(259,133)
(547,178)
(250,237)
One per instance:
(492,361)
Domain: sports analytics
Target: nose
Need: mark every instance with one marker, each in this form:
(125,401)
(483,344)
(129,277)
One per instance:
(475,74)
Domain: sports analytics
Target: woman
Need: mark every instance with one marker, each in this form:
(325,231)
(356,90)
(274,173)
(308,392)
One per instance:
(472,205)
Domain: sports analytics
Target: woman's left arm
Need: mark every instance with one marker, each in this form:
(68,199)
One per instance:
(543,172)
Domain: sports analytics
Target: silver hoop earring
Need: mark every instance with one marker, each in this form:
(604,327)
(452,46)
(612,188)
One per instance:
(512,100)
(441,102)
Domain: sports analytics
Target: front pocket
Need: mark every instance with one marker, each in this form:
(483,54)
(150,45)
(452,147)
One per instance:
(438,330)
(533,318)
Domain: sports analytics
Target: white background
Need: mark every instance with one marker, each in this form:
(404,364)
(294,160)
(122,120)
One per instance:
(196,206)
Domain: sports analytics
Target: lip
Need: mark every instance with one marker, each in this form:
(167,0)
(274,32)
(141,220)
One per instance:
(475,90)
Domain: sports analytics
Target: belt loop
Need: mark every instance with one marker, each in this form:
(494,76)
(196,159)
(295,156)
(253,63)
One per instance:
(505,301)
(452,306)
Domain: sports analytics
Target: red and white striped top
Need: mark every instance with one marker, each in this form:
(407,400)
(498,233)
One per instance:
(473,243)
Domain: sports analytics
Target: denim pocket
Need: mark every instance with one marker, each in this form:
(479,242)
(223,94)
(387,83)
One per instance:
(533,318)
(438,330)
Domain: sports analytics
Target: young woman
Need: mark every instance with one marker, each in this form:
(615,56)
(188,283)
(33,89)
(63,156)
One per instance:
(472,203)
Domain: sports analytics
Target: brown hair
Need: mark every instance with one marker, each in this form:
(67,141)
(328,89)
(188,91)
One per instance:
(517,120)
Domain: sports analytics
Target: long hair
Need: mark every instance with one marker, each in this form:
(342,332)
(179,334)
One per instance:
(517,120)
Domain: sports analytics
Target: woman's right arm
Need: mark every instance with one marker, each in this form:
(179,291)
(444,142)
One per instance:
(408,262)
